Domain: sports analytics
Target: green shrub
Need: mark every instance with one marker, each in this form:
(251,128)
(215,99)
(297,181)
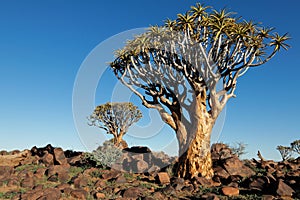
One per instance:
(106,155)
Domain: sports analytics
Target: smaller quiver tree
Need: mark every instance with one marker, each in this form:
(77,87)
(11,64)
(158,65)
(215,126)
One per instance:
(285,152)
(115,119)
(296,146)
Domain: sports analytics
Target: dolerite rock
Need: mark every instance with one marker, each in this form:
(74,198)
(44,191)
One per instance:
(57,169)
(100,195)
(220,172)
(220,151)
(137,149)
(6,171)
(79,194)
(45,194)
(257,185)
(230,191)
(40,172)
(111,174)
(178,183)
(163,178)
(141,166)
(210,196)
(81,181)
(206,182)
(3,153)
(47,159)
(59,156)
(121,179)
(283,189)
(236,167)
(133,193)
(28,181)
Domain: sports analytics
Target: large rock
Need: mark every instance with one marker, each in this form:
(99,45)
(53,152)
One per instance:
(283,189)
(236,167)
(220,151)
(257,185)
(79,194)
(133,193)
(47,159)
(221,172)
(141,166)
(59,156)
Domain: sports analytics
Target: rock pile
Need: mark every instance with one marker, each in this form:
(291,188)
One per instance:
(51,173)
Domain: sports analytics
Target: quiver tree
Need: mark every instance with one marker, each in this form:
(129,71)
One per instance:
(296,146)
(188,69)
(239,149)
(285,152)
(115,119)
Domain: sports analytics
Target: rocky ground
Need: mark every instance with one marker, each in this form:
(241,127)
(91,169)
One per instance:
(50,173)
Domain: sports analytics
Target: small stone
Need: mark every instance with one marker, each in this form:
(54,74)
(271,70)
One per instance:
(100,183)
(80,181)
(268,197)
(100,195)
(158,196)
(28,182)
(210,196)
(163,178)
(132,193)
(63,177)
(6,171)
(121,179)
(111,174)
(79,194)
(40,172)
(178,183)
(230,191)
(53,178)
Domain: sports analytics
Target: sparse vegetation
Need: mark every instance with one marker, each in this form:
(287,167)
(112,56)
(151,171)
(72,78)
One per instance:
(106,155)
(31,167)
(239,149)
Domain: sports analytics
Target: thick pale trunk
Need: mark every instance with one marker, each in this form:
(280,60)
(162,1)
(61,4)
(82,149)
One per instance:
(195,158)
(118,139)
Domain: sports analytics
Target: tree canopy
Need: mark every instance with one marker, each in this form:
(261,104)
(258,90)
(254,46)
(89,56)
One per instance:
(188,68)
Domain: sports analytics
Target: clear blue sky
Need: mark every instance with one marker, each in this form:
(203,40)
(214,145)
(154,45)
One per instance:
(43,43)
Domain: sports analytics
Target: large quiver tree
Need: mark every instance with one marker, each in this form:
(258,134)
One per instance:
(188,70)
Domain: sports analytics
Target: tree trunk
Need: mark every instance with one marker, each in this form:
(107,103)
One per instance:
(118,139)
(195,158)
